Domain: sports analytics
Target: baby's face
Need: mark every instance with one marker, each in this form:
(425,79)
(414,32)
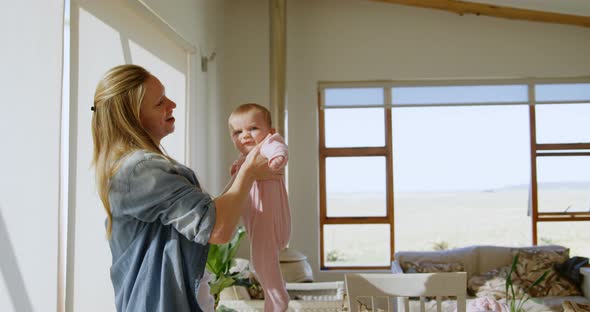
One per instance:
(248,129)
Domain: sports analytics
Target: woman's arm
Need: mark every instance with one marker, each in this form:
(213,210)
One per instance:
(228,185)
(229,204)
(228,208)
(149,188)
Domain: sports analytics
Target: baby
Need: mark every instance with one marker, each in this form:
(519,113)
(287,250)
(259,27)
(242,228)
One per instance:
(266,216)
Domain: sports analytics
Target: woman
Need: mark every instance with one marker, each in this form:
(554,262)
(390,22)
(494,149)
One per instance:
(159,221)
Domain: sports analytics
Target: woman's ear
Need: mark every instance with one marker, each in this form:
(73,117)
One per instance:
(272,131)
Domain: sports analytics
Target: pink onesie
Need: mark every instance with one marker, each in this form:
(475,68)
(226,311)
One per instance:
(268,222)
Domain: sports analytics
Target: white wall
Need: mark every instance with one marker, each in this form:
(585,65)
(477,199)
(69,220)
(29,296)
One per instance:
(245,73)
(246,56)
(31,62)
(201,23)
(339,40)
(109,33)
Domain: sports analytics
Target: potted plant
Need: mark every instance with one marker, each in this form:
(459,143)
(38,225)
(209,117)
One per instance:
(515,301)
(219,262)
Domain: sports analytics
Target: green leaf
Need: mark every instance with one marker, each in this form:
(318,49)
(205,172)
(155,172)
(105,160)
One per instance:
(223,308)
(235,242)
(517,304)
(539,280)
(214,260)
(512,306)
(220,284)
(224,258)
(524,299)
(509,284)
(219,261)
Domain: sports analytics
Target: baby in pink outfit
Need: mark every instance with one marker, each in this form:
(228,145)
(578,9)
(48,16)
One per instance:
(266,216)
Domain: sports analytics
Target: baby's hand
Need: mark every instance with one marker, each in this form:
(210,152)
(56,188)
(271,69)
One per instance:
(276,162)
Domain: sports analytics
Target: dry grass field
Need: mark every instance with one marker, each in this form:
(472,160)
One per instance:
(435,220)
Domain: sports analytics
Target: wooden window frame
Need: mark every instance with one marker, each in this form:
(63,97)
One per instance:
(325,152)
(544,150)
(537,150)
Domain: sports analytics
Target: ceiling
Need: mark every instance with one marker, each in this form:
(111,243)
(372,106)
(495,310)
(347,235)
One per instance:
(571,12)
(574,7)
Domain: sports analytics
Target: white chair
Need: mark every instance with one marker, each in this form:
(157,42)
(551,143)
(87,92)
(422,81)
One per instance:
(403,286)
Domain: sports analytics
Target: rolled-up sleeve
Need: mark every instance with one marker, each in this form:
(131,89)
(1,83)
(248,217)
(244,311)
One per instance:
(155,190)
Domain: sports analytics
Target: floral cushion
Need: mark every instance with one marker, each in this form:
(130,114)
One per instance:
(533,263)
(570,306)
(430,267)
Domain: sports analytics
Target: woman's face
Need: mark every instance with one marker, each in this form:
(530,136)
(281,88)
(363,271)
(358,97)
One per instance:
(155,113)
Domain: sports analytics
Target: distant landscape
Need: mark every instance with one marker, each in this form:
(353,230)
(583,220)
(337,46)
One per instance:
(442,220)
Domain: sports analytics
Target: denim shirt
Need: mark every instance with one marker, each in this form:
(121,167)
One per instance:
(162,221)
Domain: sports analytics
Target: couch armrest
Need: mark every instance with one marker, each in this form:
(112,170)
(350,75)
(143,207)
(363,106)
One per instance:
(585,271)
(397,269)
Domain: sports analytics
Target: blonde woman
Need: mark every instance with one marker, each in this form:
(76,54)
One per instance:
(159,221)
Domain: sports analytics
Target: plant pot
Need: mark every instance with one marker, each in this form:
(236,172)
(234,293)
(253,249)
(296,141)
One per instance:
(294,266)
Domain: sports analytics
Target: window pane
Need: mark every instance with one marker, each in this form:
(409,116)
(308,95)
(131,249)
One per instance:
(353,96)
(563,183)
(563,123)
(562,92)
(461,176)
(355,186)
(355,127)
(574,235)
(459,94)
(356,245)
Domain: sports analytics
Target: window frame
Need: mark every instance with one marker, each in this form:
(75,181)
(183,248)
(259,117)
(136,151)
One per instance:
(536,150)
(384,151)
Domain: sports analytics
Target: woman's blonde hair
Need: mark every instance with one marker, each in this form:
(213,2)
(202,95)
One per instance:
(116,126)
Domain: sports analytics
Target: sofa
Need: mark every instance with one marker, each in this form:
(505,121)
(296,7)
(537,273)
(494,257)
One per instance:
(486,264)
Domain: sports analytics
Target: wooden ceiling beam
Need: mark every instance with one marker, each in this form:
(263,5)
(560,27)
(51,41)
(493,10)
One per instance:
(465,7)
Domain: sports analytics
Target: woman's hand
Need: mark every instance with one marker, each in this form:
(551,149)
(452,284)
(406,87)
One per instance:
(257,167)
(277,163)
(229,204)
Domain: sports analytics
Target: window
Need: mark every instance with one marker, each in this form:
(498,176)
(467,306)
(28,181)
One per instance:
(461,176)
(437,165)
(561,148)
(356,204)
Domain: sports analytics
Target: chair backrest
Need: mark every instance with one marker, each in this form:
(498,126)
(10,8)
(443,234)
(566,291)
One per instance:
(364,289)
